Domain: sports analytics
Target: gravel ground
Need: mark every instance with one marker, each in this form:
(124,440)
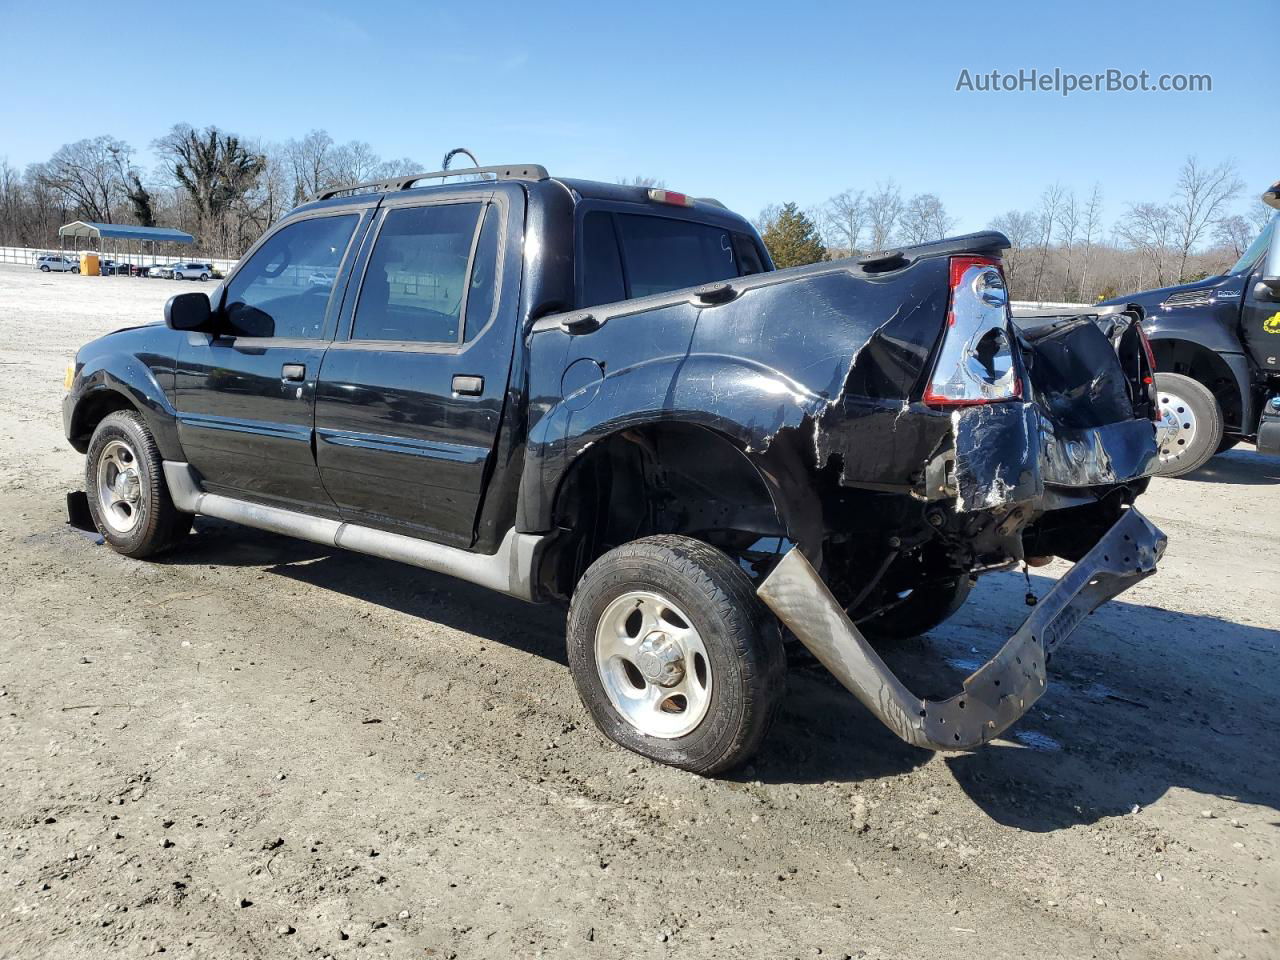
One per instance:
(263,748)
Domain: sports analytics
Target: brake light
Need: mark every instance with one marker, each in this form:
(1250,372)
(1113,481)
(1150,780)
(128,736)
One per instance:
(670,197)
(975,362)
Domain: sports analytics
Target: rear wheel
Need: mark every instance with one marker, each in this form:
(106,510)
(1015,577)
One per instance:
(1190,427)
(204,277)
(922,609)
(127,494)
(75,269)
(44,268)
(673,655)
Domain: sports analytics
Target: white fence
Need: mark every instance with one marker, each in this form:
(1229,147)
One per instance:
(27,255)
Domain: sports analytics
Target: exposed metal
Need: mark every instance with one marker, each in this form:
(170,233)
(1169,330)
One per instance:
(119,488)
(653,664)
(506,571)
(997,693)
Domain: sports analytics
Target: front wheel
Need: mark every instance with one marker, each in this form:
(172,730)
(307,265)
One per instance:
(1190,428)
(204,277)
(128,496)
(673,655)
(75,269)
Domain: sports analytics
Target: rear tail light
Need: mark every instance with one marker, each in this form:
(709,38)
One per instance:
(670,197)
(975,362)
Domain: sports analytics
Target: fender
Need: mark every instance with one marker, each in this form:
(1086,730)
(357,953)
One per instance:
(136,365)
(1209,334)
(746,402)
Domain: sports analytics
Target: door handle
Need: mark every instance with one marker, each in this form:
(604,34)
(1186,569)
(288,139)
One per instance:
(293,372)
(468,386)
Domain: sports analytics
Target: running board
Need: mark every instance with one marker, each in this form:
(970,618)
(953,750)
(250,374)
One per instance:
(508,571)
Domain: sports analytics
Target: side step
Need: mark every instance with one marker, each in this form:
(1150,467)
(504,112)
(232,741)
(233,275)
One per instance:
(508,571)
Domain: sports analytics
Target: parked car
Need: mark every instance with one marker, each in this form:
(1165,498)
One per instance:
(604,396)
(57,263)
(111,268)
(192,270)
(1217,351)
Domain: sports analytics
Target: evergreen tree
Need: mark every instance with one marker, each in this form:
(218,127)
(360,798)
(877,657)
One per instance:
(793,239)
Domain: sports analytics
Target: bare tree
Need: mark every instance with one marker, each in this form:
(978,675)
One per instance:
(884,207)
(1199,201)
(1092,230)
(88,174)
(1259,214)
(845,216)
(1020,228)
(1149,229)
(767,218)
(309,159)
(1068,235)
(352,162)
(924,218)
(1235,233)
(1046,220)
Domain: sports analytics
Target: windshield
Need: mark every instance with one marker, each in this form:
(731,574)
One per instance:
(1251,255)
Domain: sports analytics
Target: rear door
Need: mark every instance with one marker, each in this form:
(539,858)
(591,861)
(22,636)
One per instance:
(411,392)
(1260,314)
(246,395)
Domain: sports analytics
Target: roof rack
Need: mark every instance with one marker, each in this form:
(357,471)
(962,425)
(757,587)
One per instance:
(507,171)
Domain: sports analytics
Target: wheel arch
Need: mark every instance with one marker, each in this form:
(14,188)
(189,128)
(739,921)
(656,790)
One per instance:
(676,477)
(1226,380)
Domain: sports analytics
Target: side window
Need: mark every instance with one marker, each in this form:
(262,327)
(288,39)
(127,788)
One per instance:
(283,290)
(416,279)
(664,254)
(601,262)
(484,274)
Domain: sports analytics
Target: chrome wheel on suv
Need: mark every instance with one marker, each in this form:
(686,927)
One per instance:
(653,664)
(119,487)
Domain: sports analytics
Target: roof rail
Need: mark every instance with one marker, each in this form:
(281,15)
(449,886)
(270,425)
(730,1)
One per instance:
(506,171)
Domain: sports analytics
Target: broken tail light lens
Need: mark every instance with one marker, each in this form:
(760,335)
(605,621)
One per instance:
(975,361)
(1148,375)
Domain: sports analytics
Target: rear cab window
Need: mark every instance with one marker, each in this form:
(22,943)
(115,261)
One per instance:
(625,255)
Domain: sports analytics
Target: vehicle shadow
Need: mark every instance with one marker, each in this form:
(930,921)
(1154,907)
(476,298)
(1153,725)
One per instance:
(1139,701)
(1242,467)
(387,583)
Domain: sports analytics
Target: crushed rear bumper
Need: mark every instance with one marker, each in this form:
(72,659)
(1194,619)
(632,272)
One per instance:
(997,693)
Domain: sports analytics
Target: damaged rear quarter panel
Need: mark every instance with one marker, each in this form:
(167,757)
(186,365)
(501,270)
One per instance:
(777,357)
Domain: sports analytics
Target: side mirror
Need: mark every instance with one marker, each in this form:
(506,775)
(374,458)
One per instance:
(187,311)
(1268,288)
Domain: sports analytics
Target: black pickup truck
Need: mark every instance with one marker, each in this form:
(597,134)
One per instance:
(1217,350)
(605,395)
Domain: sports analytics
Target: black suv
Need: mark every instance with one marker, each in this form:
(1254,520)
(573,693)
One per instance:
(605,395)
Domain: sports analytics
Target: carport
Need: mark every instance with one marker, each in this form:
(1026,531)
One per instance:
(122,236)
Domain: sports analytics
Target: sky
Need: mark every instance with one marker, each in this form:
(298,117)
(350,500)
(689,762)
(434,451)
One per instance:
(753,103)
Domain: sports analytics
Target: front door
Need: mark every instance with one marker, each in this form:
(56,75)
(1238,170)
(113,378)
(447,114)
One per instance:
(245,394)
(411,392)
(1260,313)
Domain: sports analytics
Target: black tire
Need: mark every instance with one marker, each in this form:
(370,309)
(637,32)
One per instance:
(75,270)
(155,524)
(1192,427)
(745,665)
(44,268)
(204,278)
(923,609)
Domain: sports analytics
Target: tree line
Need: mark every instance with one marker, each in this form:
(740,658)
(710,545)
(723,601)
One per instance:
(215,185)
(226,190)
(1060,250)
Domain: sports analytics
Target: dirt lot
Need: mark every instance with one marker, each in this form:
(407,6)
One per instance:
(259,747)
